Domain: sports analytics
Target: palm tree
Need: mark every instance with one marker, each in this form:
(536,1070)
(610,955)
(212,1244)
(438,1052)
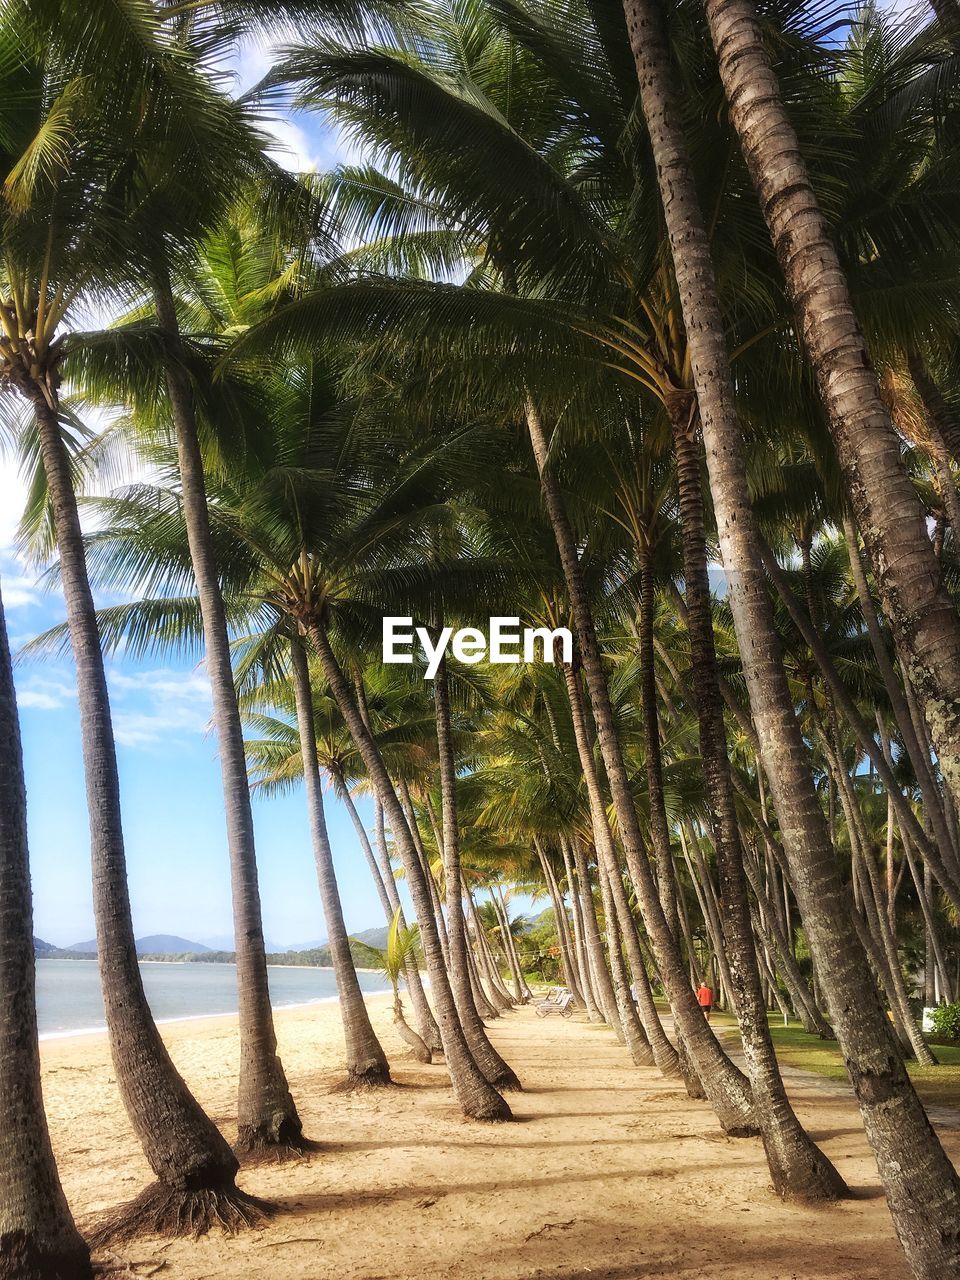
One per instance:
(38,1237)
(62,241)
(888,512)
(395,960)
(366,1062)
(908,1152)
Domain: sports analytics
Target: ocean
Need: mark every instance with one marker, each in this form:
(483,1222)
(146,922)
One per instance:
(69,1003)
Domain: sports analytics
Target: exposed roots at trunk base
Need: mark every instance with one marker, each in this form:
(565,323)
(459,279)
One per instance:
(374,1077)
(22,1257)
(507,1080)
(177,1212)
(261,1151)
(274,1141)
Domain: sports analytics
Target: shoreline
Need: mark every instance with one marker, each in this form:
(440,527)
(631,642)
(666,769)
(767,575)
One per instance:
(74,1033)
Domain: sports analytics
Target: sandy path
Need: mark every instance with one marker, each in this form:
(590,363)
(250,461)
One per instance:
(609,1172)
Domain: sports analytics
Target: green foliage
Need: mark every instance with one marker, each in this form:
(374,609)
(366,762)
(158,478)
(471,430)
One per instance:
(946,1022)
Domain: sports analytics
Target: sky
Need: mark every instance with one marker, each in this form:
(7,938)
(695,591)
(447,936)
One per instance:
(169,770)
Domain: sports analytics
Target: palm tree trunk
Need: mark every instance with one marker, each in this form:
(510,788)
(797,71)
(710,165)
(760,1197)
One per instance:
(38,1238)
(922,1188)
(427,1027)
(509,951)
(602,983)
(266,1115)
(727,1087)
(659,1049)
(184,1148)
(933,806)
(367,1065)
(487,1059)
(856,721)
(476,1096)
(939,418)
(888,510)
(410,814)
(567,958)
(498,992)
(586,979)
(797,1166)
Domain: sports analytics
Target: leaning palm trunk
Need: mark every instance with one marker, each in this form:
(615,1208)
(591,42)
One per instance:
(797,1166)
(922,1188)
(727,1088)
(888,510)
(487,1059)
(660,1049)
(195,1168)
(367,1064)
(427,1026)
(476,1096)
(567,959)
(38,1239)
(593,944)
(266,1115)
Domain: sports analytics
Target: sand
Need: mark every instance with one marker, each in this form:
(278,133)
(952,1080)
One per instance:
(609,1172)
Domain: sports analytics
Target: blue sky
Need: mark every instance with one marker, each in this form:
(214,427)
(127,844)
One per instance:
(170,776)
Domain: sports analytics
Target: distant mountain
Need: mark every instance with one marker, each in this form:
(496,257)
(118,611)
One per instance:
(314,945)
(42,948)
(225,942)
(376,938)
(155,944)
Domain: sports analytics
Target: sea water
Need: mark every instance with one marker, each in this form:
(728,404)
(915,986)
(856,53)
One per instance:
(69,1002)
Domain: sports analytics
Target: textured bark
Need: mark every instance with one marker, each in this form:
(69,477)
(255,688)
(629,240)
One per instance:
(403,792)
(500,1075)
(266,1115)
(659,1047)
(367,1064)
(184,1148)
(594,1012)
(727,1087)
(889,514)
(797,1166)
(633,1033)
(38,1238)
(593,944)
(476,1096)
(427,1027)
(922,1189)
(862,731)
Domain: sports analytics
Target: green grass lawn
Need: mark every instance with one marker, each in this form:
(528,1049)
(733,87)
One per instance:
(939,1085)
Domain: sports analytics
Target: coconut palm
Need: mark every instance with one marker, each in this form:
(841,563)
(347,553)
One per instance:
(38,1237)
(64,244)
(897,1126)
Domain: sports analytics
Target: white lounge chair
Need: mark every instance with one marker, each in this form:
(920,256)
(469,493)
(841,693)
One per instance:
(563,1006)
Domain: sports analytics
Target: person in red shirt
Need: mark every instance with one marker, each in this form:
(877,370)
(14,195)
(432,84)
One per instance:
(705,999)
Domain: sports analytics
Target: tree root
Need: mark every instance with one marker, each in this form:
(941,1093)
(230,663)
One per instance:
(363,1082)
(161,1210)
(257,1150)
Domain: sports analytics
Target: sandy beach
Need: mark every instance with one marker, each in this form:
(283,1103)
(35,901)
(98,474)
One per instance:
(610,1171)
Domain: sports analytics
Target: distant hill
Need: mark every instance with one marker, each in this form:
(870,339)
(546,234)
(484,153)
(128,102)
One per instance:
(43,948)
(224,942)
(373,937)
(156,944)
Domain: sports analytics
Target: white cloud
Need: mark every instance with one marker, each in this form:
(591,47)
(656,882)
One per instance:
(151,707)
(44,693)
